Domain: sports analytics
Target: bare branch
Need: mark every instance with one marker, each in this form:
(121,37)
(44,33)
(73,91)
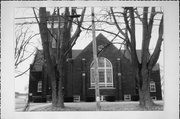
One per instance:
(106,31)
(157,50)
(145,40)
(118,27)
(115,37)
(22,42)
(75,36)
(138,15)
(126,21)
(23,59)
(78,30)
(151,21)
(147,31)
(22,73)
(133,38)
(35,15)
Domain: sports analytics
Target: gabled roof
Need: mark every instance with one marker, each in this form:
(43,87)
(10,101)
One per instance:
(75,53)
(101,40)
(38,61)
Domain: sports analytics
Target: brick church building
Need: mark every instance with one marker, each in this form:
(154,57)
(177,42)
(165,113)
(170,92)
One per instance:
(115,76)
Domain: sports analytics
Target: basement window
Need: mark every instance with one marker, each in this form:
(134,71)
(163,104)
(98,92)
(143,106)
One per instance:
(127,97)
(76,98)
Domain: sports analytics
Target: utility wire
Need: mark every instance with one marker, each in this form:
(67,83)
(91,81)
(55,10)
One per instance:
(110,23)
(18,18)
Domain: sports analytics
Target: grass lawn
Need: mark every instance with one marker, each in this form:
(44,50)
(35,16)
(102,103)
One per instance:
(91,106)
(86,106)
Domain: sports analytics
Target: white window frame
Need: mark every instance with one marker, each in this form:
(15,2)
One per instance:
(105,84)
(152,86)
(39,86)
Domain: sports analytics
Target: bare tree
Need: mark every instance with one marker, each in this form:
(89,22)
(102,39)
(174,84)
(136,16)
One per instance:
(142,69)
(64,43)
(24,47)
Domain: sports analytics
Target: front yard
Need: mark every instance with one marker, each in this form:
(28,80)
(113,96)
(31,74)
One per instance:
(105,106)
(88,106)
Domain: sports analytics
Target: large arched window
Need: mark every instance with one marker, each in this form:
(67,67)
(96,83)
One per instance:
(105,73)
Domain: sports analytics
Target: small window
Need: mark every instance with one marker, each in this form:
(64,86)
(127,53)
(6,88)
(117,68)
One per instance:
(76,98)
(127,97)
(152,86)
(39,88)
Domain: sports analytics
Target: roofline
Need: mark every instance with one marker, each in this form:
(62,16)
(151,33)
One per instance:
(35,56)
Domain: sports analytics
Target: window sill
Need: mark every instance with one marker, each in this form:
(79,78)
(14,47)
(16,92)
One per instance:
(105,88)
(152,91)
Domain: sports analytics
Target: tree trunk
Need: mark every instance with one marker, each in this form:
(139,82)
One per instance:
(53,72)
(53,88)
(144,94)
(57,93)
(60,77)
(60,99)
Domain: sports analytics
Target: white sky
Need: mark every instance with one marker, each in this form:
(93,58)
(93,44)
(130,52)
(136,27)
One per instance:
(21,83)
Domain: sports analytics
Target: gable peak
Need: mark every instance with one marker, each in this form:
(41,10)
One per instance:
(100,36)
